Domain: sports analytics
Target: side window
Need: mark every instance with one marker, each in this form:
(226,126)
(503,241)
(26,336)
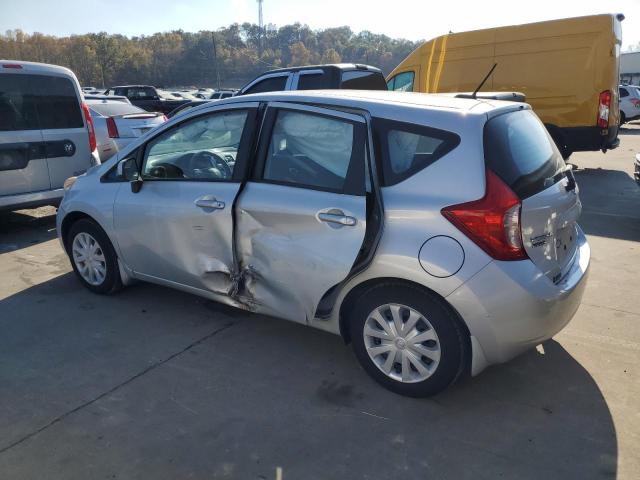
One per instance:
(204,148)
(271,84)
(624,93)
(311,81)
(139,93)
(408,148)
(402,82)
(58,105)
(317,151)
(17,103)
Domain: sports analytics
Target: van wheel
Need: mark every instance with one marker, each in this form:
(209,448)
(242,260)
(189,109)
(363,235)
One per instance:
(408,340)
(93,258)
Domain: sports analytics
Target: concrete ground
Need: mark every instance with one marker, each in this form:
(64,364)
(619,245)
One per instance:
(157,384)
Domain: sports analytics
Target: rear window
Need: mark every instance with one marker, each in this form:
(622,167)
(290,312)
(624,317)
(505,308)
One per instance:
(29,102)
(518,148)
(17,103)
(363,80)
(110,109)
(406,148)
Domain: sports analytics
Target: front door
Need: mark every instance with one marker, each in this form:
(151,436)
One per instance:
(178,228)
(301,220)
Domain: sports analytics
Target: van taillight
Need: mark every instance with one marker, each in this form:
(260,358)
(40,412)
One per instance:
(604,106)
(90,129)
(492,222)
(112,128)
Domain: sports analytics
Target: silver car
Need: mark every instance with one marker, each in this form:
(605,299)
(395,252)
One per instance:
(117,123)
(437,235)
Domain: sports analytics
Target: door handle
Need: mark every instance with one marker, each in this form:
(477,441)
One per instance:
(209,201)
(337,217)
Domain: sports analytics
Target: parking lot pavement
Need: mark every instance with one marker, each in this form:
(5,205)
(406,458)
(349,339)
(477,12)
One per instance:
(155,383)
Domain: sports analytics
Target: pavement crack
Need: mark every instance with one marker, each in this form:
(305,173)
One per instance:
(611,308)
(115,388)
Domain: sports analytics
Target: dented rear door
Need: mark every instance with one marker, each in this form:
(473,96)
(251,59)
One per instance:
(301,219)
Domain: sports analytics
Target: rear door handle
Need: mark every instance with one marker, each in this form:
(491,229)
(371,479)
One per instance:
(209,201)
(339,218)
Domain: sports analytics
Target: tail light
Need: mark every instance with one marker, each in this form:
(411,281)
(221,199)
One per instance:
(635,102)
(90,129)
(604,106)
(492,222)
(112,128)
(12,65)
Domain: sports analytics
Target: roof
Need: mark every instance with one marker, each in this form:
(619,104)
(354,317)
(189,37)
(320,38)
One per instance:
(340,66)
(35,67)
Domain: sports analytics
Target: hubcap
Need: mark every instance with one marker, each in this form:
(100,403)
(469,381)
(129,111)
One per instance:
(89,258)
(401,343)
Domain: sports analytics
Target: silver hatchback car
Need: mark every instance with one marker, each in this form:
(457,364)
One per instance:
(438,235)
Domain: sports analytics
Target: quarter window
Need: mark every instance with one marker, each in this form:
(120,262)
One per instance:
(624,93)
(204,148)
(408,148)
(311,150)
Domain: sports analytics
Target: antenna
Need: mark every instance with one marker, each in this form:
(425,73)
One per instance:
(475,92)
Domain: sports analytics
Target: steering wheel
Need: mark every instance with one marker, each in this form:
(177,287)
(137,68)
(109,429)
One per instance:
(214,160)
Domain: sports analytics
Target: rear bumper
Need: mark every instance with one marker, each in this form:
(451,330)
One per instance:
(587,139)
(510,307)
(32,199)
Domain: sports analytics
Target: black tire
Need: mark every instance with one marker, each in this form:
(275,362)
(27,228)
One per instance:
(453,340)
(623,118)
(112,281)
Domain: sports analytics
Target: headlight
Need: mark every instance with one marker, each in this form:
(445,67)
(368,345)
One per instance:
(68,183)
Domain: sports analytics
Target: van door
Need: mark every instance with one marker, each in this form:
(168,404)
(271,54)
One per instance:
(23,165)
(63,129)
(301,220)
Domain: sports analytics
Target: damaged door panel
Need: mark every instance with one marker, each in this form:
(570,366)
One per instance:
(301,219)
(178,227)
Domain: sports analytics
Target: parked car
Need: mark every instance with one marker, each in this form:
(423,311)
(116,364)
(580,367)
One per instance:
(629,103)
(117,123)
(314,77)
(567,69)
(46,133)
(187,106)
(146,97)
(431,254)
(219,94)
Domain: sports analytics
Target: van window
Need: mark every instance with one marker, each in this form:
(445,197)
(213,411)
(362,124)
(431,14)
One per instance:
(518,148)
(58,105)
(407,148)
(17,103)
(402,82)
(272,84)
(362,80)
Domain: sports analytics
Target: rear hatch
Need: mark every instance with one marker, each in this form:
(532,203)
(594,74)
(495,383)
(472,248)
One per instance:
(520,151)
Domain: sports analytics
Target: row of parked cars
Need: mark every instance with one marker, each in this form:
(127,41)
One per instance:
(435,233)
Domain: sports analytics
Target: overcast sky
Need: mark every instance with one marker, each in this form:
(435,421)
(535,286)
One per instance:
(411,19)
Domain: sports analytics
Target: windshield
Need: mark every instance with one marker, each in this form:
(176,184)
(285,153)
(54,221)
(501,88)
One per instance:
(518,148)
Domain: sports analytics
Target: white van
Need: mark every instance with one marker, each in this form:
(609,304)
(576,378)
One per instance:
(46,133)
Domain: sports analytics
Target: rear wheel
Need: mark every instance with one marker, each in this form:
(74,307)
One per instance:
(93,258)
(408,340)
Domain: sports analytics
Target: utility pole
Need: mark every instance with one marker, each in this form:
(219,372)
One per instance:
(215,59)
(261,27)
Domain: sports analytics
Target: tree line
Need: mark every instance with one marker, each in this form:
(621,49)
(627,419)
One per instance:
(179,58)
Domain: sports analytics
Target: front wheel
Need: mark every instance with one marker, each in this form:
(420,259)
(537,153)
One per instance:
(93,258)
(407,339)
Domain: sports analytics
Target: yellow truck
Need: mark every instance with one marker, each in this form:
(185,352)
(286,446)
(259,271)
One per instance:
(567,69)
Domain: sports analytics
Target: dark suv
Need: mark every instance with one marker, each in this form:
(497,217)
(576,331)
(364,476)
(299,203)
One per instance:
(315,77)
(146,97)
